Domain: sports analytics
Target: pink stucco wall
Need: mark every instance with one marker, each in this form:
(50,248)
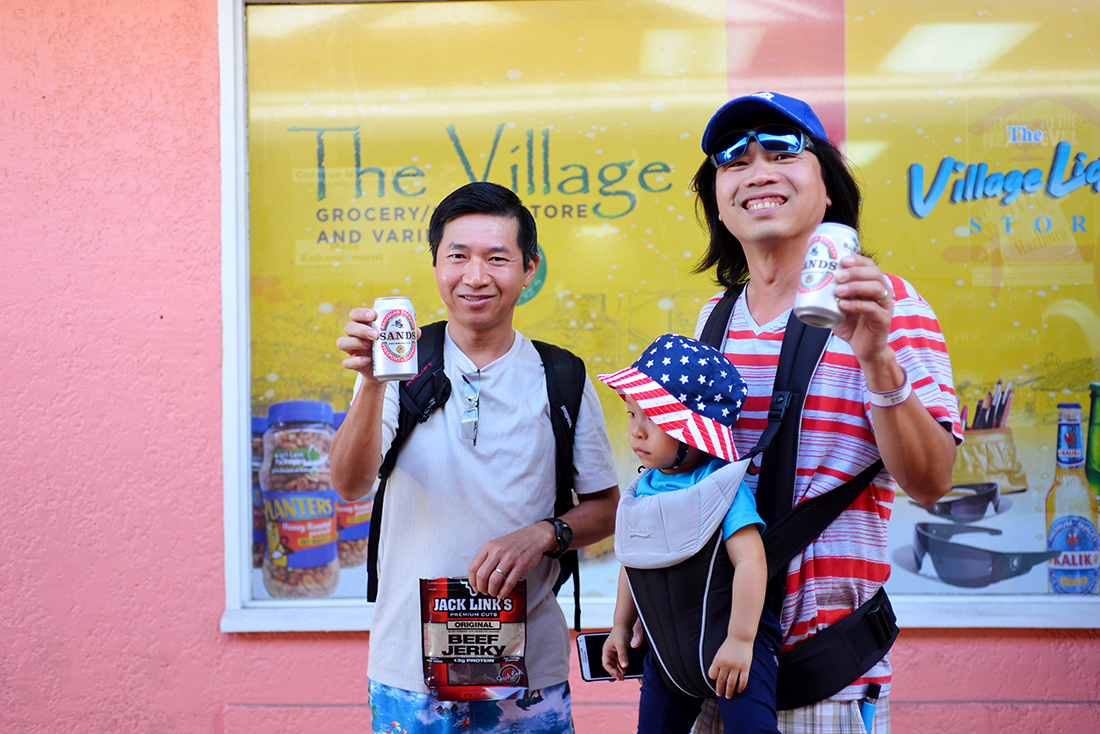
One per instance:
(111,530)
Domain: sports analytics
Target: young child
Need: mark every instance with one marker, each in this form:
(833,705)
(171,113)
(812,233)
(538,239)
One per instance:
(682,397)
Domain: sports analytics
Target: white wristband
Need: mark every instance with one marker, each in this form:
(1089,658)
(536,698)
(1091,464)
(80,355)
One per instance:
(891,398)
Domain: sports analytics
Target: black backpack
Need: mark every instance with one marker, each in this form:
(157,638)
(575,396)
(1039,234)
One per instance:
(565,378)
(832,659)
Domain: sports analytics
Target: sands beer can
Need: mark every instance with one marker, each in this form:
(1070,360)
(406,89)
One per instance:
(395,349)
(816,303)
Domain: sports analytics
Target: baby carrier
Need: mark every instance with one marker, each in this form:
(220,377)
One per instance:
(684,604)
(671,546)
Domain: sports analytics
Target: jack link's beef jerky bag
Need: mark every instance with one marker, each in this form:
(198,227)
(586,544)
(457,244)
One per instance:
(473,644)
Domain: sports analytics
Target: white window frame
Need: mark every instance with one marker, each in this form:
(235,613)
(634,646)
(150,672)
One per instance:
(244,614)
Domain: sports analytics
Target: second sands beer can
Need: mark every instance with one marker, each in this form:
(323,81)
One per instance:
(394,352)
(816,302)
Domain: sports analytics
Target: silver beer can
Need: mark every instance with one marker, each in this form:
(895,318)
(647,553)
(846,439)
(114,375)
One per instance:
(816,302)
(394,352)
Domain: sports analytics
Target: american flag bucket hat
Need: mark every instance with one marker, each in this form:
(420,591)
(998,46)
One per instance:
(689,389)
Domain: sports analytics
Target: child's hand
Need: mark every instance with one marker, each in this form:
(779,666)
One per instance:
(615,650)
(731,665)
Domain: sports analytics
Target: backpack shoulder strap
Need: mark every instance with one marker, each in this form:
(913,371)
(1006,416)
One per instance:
(423,393)
(565,378)
(419,397)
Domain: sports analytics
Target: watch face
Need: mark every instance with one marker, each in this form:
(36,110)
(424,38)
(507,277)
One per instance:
(565,534)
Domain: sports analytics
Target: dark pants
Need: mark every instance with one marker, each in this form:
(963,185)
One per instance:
(661,711)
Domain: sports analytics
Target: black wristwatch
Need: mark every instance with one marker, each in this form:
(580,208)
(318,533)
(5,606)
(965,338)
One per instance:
(564,535)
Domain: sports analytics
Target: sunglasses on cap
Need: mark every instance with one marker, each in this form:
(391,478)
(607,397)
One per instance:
(966,566)
(971,506)
(772,138)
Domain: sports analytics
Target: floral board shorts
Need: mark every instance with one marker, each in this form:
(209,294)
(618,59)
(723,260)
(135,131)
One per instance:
(538,711)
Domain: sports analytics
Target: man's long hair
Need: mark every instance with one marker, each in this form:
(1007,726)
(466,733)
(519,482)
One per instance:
(725,250)
(485,198)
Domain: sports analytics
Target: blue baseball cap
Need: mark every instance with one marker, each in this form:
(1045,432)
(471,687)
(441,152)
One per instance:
(738,113)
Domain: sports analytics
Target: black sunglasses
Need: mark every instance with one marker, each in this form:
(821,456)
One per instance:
(971,506)
(966,566)
(772,138)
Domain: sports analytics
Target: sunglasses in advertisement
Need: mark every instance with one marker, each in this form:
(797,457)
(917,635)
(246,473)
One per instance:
(971,506)
(966,566)
(772,138)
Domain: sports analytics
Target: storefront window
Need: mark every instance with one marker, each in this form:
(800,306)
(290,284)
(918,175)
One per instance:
(972,131)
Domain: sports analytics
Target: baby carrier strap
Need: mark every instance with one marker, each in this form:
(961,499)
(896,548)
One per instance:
(716,329)
(802,349)
(836,656)
(806,672)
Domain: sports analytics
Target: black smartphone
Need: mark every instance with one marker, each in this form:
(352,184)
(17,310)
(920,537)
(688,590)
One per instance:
(590,654)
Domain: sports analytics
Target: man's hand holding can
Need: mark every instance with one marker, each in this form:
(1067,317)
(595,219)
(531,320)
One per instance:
(377,340)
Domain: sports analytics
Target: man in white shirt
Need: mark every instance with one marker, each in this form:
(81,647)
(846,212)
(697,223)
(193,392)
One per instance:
(478,502)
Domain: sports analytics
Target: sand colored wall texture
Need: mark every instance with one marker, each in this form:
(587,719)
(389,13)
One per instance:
(111,535)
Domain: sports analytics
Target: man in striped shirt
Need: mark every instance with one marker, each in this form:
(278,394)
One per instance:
(883,387)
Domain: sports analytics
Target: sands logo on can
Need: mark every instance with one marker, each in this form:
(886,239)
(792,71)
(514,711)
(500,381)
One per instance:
(820,266)
(397,336)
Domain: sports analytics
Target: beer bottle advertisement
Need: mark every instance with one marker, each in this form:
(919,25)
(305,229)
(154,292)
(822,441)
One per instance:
(1071,513)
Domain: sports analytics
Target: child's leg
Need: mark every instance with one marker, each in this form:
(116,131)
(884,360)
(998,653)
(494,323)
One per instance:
(660,711)
(753,710)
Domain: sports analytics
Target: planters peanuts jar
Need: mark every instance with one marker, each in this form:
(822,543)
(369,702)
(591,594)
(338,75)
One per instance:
(299,502)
